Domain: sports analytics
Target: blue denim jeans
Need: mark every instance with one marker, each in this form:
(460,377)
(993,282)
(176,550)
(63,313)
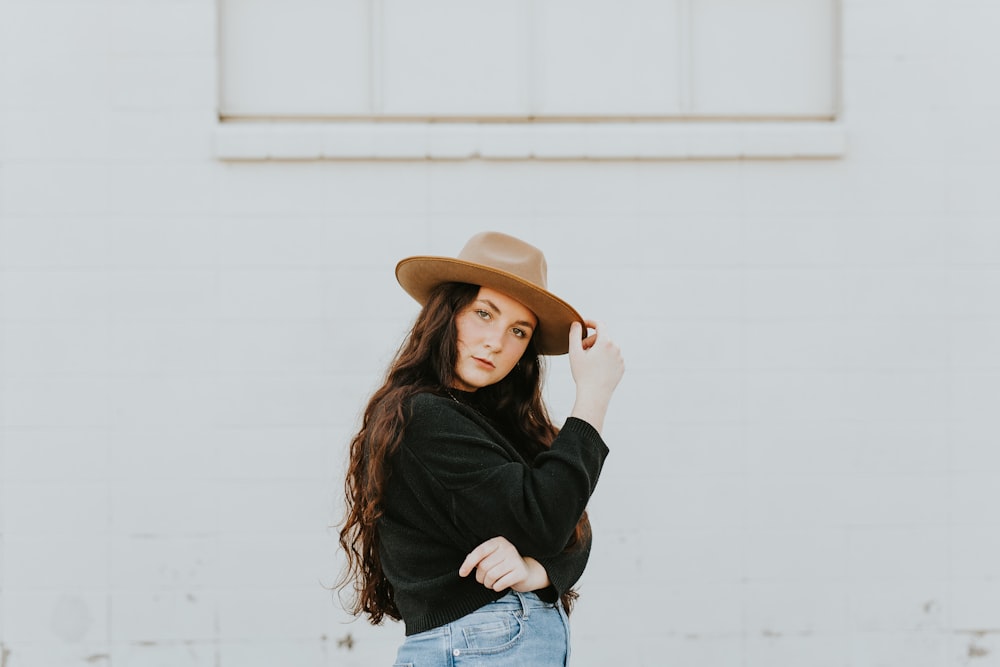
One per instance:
(518,630)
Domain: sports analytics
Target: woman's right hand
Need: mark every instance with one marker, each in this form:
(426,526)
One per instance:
(499,565)
(597,366)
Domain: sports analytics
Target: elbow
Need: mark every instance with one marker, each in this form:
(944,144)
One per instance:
(549,540)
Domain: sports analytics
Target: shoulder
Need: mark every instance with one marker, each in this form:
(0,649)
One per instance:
(427,408)
(426,402)
(444,433)
(437,418)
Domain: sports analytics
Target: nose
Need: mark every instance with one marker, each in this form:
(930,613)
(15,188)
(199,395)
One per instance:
(493,341)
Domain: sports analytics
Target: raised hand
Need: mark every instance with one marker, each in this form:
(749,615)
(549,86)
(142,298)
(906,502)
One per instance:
(597,366)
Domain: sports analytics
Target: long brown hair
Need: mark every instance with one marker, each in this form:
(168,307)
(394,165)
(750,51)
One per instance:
(426,362)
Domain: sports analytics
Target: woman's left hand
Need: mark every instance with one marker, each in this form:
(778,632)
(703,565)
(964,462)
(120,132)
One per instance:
(498,566)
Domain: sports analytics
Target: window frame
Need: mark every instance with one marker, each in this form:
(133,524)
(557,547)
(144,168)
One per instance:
(582,137)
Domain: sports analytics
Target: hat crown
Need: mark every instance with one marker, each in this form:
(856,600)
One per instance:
(506,264)
(506,253)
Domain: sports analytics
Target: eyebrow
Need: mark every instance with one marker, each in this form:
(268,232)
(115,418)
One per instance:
(499,312)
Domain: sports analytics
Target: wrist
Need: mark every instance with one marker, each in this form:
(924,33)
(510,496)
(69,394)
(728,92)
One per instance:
(537,577)
(590,410)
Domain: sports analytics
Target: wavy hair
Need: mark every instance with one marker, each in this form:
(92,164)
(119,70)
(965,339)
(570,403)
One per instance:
(425,362)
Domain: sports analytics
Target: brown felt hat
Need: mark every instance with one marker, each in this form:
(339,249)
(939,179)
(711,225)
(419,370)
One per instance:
(503,263)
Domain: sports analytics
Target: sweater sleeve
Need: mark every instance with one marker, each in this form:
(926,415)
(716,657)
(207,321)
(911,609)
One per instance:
(564,570)
(489,492)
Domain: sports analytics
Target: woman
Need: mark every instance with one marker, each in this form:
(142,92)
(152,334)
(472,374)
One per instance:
(465,504)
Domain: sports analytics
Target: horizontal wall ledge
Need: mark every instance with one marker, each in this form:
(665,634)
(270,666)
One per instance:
(263,140)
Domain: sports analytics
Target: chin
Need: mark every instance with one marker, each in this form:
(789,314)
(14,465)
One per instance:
(475,384)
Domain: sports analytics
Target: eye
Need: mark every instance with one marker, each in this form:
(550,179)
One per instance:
(483,314)
(520,333)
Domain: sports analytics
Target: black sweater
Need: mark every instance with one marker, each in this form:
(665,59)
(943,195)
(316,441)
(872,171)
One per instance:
(456,482)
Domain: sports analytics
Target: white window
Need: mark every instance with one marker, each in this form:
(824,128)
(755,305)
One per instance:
(525,67)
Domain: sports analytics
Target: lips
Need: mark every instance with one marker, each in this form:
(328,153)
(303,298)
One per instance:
(484,362)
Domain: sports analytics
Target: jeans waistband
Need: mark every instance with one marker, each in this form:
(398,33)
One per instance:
(515,601)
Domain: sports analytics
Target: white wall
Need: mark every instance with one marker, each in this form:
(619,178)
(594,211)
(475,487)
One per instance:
(804,464)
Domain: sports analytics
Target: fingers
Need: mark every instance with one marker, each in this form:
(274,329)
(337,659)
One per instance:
(501,575)
(575,337)
(577,340)
(497,563)
(494,576)
(476,555)
(506,580)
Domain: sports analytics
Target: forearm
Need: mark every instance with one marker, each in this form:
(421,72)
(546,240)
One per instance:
(591,408)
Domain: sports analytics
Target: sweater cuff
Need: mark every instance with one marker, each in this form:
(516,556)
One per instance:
(584,429)
(563,571)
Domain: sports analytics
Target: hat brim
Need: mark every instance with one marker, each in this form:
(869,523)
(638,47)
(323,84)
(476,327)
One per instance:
(420,275)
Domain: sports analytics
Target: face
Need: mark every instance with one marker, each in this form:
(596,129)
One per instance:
(493,332)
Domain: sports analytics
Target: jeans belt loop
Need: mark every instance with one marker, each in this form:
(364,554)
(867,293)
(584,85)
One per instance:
(524,603)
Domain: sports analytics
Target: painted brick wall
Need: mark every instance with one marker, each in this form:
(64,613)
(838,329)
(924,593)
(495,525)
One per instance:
(805,466)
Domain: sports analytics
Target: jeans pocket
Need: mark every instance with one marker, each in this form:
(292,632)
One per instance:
(496,633)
